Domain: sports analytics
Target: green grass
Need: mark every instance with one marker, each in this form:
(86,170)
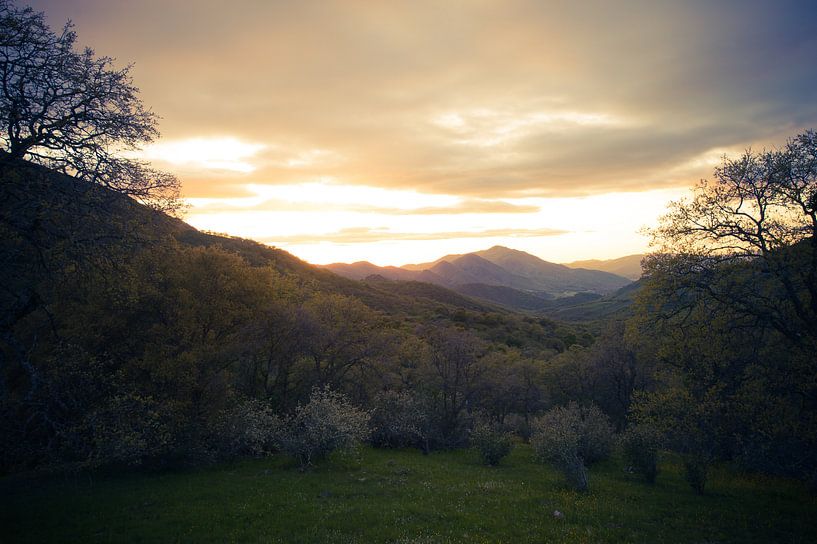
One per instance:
(403,496)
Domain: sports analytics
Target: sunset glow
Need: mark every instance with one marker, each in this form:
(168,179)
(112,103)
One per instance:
(393,133)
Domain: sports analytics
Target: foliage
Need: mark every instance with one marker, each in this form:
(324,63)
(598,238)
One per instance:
(606,374)
(728,313)
(127,431)
(397,420)
(571,437)
(453,381)
(328,422)
(640,445)
(688,425)
(492,442)
(73,111)
(246,429)
(696,472)
(748,239)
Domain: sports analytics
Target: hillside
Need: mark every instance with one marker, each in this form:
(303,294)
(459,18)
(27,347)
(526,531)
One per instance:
(616,305)
(51,212)
(628,267)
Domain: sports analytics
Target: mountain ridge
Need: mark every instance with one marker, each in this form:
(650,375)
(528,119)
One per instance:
(511,278)
(628,266)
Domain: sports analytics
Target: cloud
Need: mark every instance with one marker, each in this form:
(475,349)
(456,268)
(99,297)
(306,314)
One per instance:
(487,99)
(368,235)
(310,199)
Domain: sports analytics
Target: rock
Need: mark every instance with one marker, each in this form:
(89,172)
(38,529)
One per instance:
(558,515)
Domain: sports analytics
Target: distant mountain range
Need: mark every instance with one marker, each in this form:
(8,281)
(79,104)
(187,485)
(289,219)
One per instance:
(505,276)
(629,266)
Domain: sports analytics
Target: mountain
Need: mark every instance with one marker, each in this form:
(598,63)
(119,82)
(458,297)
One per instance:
(551,277)
(507,277)
(471,268)
(629,266)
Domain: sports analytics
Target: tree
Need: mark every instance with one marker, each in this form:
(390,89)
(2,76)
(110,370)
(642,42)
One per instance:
(729,312)
(73,111)
(748,239)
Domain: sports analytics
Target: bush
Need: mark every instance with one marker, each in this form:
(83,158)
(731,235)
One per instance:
(492,443)
(128,431)
(248,428)
(397,420)
(640,445)
(328,422)
(571,437)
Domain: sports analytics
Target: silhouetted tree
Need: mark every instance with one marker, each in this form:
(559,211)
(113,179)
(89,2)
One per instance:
(73,111)
(748,239)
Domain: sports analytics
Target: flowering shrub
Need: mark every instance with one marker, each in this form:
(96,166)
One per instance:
(328,422)
(571,437)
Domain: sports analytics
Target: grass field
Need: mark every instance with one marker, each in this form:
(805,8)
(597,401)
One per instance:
(403,496)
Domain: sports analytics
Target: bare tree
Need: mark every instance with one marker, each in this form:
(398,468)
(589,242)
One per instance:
(73,111)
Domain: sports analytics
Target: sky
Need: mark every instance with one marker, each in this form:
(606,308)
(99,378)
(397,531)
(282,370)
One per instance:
(397,132)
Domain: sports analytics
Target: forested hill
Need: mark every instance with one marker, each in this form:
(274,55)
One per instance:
(121,322)
(52,212)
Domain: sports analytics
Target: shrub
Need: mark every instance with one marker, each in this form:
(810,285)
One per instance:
(640,445)
(571,437)
(397,420)
(492,443)
(328,422)
(248,428)
(596,438)
(129,430)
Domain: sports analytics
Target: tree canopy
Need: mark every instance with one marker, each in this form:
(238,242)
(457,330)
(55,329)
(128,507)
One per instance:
(748,238)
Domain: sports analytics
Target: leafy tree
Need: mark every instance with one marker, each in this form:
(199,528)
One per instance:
(729,311)
(455,375)
(511,384)
(690,425)
(73,111)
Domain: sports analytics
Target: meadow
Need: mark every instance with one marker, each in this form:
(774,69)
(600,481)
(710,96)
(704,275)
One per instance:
(403,496)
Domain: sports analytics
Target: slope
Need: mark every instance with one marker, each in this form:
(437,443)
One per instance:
(44,214)
(628,267)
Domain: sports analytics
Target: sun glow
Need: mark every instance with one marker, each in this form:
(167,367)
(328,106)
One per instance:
(326,221)
(229,154)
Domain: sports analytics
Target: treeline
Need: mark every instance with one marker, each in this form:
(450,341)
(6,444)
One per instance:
(125,347)
(138,362)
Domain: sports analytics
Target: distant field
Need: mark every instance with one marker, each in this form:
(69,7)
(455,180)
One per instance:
(403,496)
